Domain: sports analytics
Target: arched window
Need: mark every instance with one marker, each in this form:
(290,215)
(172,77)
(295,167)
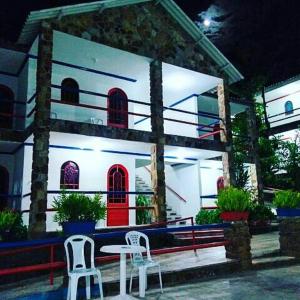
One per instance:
(220,183)
(70,91)
(117,203)
(117,108)
(69,175)
(4,186)
(288,107)
(6,107)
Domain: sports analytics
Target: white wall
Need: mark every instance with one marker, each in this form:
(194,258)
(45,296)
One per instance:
(289,92)
(182,129)
(106,59)
(210,171)
(185,181)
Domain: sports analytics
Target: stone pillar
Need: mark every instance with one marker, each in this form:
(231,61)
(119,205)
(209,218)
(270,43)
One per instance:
(157,151)
(289,237)
(226,136)
(239,246)
(41,134)
(254,150)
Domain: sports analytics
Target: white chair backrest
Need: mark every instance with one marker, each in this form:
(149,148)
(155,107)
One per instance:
(77,243)
(134,238)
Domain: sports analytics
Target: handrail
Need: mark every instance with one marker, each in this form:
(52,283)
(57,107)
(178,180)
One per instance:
(97,108)
(169,188)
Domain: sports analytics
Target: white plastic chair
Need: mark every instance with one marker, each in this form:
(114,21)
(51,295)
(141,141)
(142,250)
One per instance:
(139,262)
(77,243)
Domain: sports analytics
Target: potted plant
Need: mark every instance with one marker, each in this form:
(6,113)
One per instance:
(208,216)
(234,204)
(260,217)
(78,213)
(287,203)
(143,216)
(11,226)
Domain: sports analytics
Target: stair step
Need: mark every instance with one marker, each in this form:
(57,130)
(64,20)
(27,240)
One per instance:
(201,238)
(199,232)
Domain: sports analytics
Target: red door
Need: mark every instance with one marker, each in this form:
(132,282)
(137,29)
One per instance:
(4,184)
(117,108)
(117,203)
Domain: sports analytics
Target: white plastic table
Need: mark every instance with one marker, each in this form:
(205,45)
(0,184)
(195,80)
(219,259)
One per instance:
(123,250)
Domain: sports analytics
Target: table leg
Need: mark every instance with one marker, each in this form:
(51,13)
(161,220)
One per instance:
(122,274)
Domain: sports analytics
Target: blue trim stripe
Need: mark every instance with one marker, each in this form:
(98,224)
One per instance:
(184,99)
(111,151)
(57,62)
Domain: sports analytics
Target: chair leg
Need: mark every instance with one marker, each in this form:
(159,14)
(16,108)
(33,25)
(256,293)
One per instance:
(74,283)
(100,284)
(69,289)
(88,287)
(130,282)
(146,280)
(160,279)
(142,272)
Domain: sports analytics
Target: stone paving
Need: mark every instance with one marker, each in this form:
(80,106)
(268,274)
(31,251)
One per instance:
(271,284)
(260,244)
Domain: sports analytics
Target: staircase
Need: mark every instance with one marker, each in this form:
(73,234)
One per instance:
(201,237)
(142,186)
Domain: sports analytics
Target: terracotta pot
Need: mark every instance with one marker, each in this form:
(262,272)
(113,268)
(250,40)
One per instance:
(234,215)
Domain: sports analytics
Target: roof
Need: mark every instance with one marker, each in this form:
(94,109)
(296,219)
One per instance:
(32,24)
(281,83)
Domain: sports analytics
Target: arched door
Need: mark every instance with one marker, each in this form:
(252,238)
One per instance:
(117,203)
(4,186)
(117,108)
(6,107)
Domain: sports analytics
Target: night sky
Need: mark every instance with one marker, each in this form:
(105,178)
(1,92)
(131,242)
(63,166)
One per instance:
(260,37)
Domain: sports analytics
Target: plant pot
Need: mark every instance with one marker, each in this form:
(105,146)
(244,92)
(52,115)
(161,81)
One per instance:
(288,212)
(80,227)
(234,216)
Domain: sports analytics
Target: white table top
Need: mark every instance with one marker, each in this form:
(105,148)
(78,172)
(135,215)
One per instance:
(122,249)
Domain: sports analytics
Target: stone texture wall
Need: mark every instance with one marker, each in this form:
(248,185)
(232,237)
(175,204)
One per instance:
(239,244)
(289,237)
(157,151)
(226,135)
(41,133)
(146,29)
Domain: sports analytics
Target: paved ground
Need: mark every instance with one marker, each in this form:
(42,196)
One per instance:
(260,244)
(279,284)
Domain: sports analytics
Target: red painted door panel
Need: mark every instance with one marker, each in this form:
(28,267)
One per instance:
(117,198)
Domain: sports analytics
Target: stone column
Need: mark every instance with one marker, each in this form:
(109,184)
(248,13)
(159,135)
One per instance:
(157,151)
(239,246)
(41,134)
(254,150)
(289,236)
(226,136)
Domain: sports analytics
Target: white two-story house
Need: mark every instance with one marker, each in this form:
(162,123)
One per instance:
(122,97)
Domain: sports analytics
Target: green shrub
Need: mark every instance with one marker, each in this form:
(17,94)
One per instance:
(11,226)
(287,199)
(206,216)
(143,216)
(75,207)
(233,199)
(260,212)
